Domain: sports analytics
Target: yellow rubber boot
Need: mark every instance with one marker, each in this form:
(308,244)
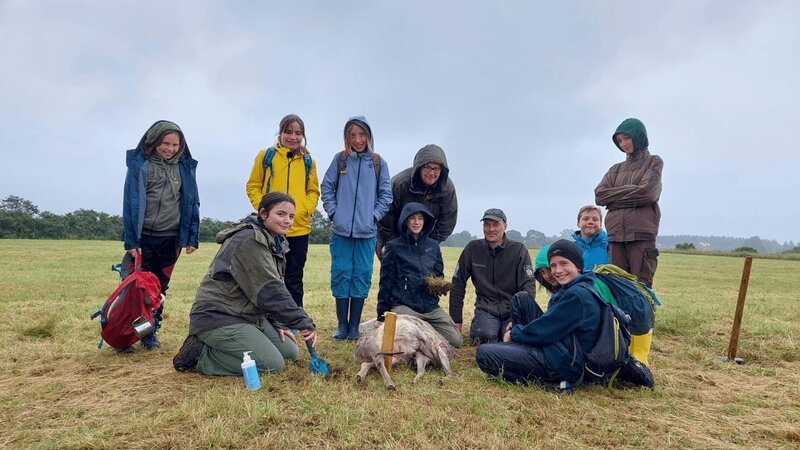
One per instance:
(640,346)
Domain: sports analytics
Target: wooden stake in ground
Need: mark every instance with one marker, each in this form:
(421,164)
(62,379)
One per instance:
(737,318)
(387,345)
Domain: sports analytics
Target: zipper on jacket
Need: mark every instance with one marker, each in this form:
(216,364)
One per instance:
(288,173)
(494,283)
(355,200)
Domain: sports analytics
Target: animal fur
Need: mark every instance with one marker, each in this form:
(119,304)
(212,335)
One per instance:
(415,341)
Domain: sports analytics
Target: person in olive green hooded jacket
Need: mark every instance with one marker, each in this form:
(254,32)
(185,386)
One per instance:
(630,192)
(242,303)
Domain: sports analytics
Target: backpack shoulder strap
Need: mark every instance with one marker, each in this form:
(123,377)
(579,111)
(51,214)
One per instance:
(341,162)
(376,164)
(307,164)
(267,163)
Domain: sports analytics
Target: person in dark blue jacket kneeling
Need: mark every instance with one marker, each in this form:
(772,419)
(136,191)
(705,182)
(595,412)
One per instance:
(539,347)
(407,261)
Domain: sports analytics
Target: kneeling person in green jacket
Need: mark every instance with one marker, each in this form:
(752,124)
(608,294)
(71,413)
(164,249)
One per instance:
(242,303)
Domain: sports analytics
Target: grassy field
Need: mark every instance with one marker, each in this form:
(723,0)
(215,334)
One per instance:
(57,390)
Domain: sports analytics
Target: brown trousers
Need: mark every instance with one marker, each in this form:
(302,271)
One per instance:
(637,257)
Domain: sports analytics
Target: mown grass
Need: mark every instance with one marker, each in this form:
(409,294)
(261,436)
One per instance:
(58,391)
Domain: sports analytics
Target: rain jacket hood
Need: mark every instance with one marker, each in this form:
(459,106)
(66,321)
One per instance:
(431,153)
(362,122)
(150,138)
(636,130)
(412,208)
(541,258)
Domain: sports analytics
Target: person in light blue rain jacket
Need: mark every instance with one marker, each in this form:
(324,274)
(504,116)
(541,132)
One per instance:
(356,193)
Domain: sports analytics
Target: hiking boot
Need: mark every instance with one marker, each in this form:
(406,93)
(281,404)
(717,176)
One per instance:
(150,342)
(637,374)
(189,354)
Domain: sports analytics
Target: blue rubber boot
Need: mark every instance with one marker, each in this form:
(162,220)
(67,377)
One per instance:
(356,305)
(342,305)
(151,342)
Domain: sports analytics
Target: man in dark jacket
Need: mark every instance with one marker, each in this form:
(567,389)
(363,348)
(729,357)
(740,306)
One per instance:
(499,268)
(407,262)
(630,192)
(427,182)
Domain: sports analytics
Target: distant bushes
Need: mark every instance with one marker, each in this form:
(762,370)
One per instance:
(685,246)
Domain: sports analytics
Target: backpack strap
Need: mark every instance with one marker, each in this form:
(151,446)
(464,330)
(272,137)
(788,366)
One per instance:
(307,164)
(267,163)
(376,165)
(341,162)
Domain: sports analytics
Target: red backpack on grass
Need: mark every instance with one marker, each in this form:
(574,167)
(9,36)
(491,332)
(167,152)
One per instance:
(128,311)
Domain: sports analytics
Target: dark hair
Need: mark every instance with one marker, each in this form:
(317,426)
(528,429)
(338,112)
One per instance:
(152,147)
(544,283)
(288,120)
(271,199)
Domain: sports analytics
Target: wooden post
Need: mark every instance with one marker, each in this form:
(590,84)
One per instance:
(737,318)
(387,345)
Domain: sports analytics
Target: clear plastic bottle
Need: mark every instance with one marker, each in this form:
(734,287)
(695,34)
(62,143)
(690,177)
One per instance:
(251,379)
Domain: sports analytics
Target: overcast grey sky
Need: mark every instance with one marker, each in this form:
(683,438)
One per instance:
(523,96)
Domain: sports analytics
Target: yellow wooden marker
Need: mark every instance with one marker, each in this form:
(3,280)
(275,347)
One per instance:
(387,345)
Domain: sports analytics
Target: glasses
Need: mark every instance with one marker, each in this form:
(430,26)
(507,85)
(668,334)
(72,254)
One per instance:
(434,169)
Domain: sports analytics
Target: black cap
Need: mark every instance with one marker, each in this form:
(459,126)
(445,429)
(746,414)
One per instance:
(566,249)
(495,214)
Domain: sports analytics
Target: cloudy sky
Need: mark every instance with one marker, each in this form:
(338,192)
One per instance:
(523,96)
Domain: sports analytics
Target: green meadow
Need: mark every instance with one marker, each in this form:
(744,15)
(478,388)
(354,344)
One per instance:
(57,390)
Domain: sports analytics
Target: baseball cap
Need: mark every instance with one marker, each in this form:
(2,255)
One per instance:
(495,214)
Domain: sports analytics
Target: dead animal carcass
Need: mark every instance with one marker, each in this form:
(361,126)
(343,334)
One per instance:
(415,341)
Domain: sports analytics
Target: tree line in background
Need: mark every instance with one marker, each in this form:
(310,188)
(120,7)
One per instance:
(536,239)
(21,219)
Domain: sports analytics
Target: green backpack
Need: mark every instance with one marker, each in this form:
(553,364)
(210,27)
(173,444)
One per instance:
(632,296)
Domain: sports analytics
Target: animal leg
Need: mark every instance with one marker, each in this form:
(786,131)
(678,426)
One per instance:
(445,362)
(387,380)
(422,361)
(362,374)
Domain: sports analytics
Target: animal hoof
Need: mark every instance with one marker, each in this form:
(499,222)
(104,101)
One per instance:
(391,387)
(359,378)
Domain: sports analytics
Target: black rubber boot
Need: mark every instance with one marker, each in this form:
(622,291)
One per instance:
(189,354)
(342,305)
(356,305)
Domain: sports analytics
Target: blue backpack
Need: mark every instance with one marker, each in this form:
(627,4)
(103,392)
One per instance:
(270,155)
(603,361)
(632,296)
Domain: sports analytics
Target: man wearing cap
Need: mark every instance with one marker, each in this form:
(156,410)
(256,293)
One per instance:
(499,268)
(427,182)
